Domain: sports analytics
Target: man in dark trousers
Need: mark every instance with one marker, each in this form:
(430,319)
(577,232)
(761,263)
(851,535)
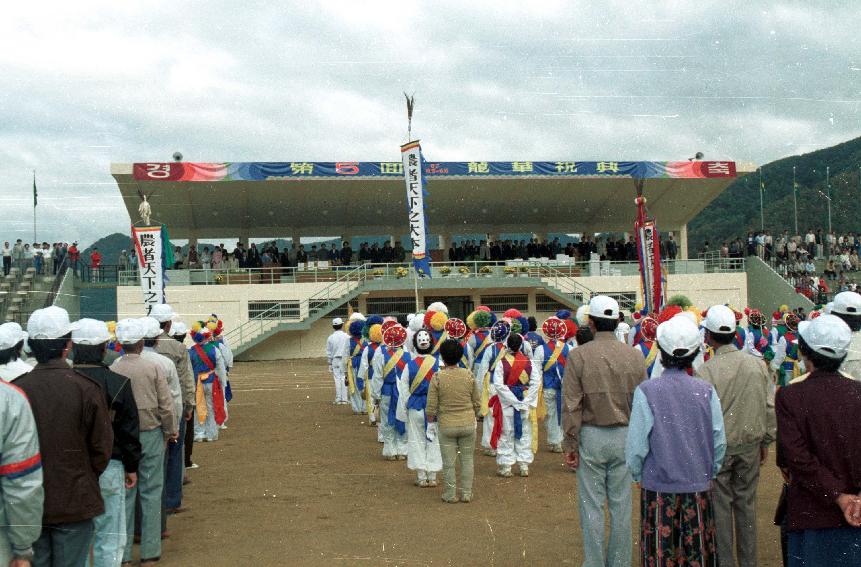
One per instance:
(819,448)
(75,439)
(90,338)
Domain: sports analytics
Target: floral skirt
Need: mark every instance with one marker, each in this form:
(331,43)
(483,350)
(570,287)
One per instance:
(677,529)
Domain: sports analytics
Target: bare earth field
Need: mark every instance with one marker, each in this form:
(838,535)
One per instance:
(296,480)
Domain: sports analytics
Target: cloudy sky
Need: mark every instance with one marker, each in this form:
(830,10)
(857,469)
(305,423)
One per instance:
(87,84)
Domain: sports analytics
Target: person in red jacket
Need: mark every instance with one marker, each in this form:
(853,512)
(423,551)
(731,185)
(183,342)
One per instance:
(95,263)
(74,256)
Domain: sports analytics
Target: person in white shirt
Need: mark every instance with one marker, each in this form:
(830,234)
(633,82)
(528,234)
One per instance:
(337,355)
(623,329)
(847,306)
(12,339)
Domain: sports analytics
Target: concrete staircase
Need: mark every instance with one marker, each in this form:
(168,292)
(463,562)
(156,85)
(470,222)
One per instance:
(22,292)
(349,285)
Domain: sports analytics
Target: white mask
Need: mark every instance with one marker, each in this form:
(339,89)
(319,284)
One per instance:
(423,340)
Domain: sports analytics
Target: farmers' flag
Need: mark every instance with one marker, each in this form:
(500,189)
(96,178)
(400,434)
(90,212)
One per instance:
(35,193)
(411,154)
(155,256)
(649,255)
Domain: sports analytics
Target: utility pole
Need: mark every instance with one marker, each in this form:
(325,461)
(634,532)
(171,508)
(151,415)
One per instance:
(828,194)
(761,206)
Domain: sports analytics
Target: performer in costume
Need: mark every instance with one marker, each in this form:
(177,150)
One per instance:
(114,345)
(479,322)
(337,353)
(518,383)
(415,322)
(520,326)
(647,331)
(355,385)
(215,325)
(423,454)
(551,357)
(389,363)
(489,360)
(581,319)
(373,333)
(456,329)
(757,340)
(787,358)
(434,320)
(208,366)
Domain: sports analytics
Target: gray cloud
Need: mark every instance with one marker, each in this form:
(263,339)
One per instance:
(493,80)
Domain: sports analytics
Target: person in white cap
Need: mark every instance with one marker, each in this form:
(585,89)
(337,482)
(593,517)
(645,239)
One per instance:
(174,470)
(819,447)
(158,425)
(179,331)
(75,440)
(12,339)
(744,387)
(337,353)
(597,391)
(674,448)
(167,346)
(90,339)
(847,306)
(21,492)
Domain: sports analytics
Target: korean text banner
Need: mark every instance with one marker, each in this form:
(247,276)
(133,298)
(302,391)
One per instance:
(263,171)
(411,154)
(149,247)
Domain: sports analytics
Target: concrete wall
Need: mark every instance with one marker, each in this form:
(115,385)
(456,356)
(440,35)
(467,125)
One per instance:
(230,302)
(768,290)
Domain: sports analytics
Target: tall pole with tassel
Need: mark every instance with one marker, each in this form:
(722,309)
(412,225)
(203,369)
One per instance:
(411,101)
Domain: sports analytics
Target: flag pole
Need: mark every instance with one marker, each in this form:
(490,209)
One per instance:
(411,101)
(795,199)
(761,207)
(34,207)
(828,189)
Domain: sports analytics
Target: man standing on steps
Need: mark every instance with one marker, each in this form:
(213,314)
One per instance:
(598,391)
(337,355)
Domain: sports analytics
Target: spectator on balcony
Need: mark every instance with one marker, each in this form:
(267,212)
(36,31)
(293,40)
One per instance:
(387,254)
(177,258)
(301,256)
(38,260)
(7,258)
(334,256)
(346,254)
(217,258)
(123,261)
(193,260)
(95,263)
(400,253)
(252,258)
(56,258)
(205,258)
(74,256)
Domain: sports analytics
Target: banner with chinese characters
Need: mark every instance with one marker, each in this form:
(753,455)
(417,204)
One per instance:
(262,171)
(150,248)
(411,154)
(649,255)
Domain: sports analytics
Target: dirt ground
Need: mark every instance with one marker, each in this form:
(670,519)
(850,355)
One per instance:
(296,480)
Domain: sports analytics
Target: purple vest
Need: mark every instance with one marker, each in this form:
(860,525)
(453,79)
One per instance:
(681,443)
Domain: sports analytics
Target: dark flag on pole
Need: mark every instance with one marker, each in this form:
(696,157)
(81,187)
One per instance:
(35,193)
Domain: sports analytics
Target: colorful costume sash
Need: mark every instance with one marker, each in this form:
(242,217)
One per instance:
(464,360)
(439,338)
(204,369)
(393,368)
(740,338)
(422,369)
(516,370)
(482,342)
(650,354)
(369,351)
(485,382)
(791,367)
(353,365)
(760,342)
(553,369)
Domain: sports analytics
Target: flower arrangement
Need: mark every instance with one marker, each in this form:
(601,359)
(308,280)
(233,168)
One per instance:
(510,270)
(463,270)
(401,272)
(524,269)
(445,270)
(486,270)
(219,278)
(378,273)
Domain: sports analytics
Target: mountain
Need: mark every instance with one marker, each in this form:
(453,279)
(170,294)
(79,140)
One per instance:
(736,211)
(110,247)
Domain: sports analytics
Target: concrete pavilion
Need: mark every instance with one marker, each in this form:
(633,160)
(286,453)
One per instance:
(347,199)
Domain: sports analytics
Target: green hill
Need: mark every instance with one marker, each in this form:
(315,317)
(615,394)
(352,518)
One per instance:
(736,210)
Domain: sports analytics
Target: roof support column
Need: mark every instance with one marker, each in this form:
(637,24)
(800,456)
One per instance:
(444,241)
(683,242)
(294,238)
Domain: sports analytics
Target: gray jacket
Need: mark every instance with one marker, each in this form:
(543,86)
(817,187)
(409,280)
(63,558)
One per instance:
(21,493)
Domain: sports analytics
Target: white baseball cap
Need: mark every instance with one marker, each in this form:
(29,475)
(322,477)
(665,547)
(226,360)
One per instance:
(720,319)
(337,322)
(679,337)
(151,326)
(90,332)
(603,307)
(582,315)
(130,331)
(162,312)
(49,323)
(827,335)
(178,328)
(847,303)
(10,335)
(356,316)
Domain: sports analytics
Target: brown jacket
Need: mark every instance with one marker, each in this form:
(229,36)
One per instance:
(453,398)
(75,439)
(152,394)
(598,386)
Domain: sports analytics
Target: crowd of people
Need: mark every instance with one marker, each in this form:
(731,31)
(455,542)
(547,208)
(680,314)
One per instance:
(97,426)
(682,403)
(44,258)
